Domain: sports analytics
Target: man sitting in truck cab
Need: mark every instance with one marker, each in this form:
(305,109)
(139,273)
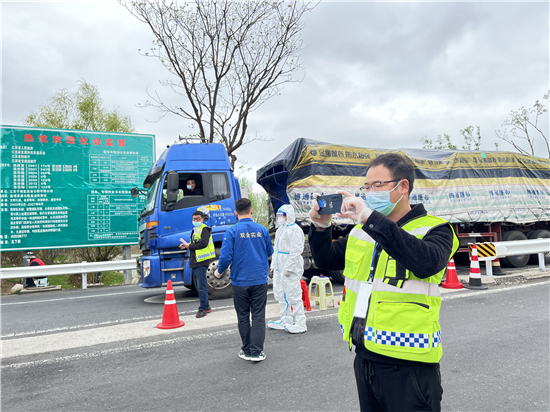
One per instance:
(192,189)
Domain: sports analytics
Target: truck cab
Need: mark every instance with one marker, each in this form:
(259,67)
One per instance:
(169,205)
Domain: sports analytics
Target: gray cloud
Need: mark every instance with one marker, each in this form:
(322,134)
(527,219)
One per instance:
(380,74)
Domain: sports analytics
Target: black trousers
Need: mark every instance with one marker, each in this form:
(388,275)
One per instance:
(385,387)
(251,300)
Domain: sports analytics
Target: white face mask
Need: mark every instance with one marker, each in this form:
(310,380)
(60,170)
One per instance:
(281,221)
(189,187)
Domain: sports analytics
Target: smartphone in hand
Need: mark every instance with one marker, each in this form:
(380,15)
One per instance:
(330,204)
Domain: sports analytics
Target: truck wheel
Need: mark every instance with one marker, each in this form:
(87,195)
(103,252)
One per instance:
(539,234)
(337,276)
(518,261)
(218,288)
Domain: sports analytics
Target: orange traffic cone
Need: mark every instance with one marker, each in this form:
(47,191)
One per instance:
(170,317)
(475,273)
(451,282)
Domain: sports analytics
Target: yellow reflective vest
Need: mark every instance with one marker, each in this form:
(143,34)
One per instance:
(403,312)
(209,251)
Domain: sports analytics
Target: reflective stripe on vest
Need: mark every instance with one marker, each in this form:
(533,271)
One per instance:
(403,315)
(209,251)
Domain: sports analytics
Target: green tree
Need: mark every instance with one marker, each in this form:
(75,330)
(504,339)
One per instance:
(471,142)
(258,199)
(227,58)
(82,110)
(522,127)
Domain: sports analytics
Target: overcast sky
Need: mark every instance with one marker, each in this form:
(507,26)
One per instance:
(377,74)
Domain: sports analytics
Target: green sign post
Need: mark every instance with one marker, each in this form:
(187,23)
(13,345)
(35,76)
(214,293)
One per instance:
(70,188)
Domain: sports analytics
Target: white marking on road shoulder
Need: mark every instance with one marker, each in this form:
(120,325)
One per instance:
(491,291)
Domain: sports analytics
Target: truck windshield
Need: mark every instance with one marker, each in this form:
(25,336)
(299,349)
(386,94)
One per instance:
(151,195)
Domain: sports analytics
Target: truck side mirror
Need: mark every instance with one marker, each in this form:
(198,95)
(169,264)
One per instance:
(172,186)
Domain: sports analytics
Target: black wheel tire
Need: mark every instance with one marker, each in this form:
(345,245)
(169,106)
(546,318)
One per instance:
(308,274)
(518,261)
(337,276)
(218,288)
(539,234)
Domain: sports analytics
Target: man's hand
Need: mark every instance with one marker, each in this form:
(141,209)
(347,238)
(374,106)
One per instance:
(319,221)
(354,208)
(217,274)
(287,273)
(184,244)
(270,274)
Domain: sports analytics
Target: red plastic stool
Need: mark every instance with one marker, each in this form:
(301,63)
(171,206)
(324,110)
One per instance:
(305,295)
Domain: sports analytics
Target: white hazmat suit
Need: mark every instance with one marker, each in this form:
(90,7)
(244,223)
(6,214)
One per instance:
(287,265)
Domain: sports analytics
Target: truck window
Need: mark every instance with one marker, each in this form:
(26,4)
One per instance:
(186,199)
(220,186)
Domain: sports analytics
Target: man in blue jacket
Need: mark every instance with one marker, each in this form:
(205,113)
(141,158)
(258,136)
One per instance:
(247,248)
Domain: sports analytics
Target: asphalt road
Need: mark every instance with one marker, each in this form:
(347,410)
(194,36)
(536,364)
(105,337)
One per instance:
(99,350)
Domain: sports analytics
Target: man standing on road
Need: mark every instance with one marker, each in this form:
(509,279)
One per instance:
(247,248)
(201,252)
(287,266)
(393,262)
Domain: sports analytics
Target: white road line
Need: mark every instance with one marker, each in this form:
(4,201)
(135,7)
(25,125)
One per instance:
(119,332)
(491,291)
(24,302)
(130,348)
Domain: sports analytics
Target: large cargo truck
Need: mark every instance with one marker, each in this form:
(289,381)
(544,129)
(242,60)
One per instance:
(167,214)
(487,196)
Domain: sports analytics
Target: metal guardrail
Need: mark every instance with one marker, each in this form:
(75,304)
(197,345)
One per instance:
(70,269)
(518,247)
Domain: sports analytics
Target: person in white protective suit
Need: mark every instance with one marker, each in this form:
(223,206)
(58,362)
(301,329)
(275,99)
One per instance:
(287,266)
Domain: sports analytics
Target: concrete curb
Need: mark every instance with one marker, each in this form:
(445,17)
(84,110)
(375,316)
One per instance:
(41,289)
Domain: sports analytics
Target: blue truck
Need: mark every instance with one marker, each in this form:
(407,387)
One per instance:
(167,214)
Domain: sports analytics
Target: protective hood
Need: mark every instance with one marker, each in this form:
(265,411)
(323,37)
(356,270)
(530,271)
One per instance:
(290,215)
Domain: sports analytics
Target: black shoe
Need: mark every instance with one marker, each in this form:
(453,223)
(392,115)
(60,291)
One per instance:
(208,309)
(200,314)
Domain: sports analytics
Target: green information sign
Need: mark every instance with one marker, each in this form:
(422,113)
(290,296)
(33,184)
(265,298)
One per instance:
(70,188)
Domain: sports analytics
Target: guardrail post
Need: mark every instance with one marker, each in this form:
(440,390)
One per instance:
(489,268)
(127,255)
(542,266)
(85,279)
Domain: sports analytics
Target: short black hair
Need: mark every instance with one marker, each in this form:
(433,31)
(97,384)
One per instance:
(399,166)
(243,206)
(198,213)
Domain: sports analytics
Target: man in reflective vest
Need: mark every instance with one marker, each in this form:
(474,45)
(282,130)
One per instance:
(201,252)
(393,261)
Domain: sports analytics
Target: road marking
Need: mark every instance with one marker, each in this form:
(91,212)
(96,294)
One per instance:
(130,348)
(72,298)
(491,291)
(86,297)
(106,323)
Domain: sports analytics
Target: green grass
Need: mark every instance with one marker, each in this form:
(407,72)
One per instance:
(107,278)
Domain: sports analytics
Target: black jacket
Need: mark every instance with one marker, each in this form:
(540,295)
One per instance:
(205,238)
(424,257)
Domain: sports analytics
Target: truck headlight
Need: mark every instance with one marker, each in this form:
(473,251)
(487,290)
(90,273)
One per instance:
(146,268)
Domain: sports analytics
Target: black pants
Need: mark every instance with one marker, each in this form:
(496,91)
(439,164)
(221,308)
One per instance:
(384,387)
(251,300)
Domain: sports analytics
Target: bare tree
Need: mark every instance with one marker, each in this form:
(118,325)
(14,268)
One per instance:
(519,125)
(229,57)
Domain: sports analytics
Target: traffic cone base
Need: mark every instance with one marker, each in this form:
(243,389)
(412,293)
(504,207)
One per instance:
(170,316)
(451,281)
(497,270)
